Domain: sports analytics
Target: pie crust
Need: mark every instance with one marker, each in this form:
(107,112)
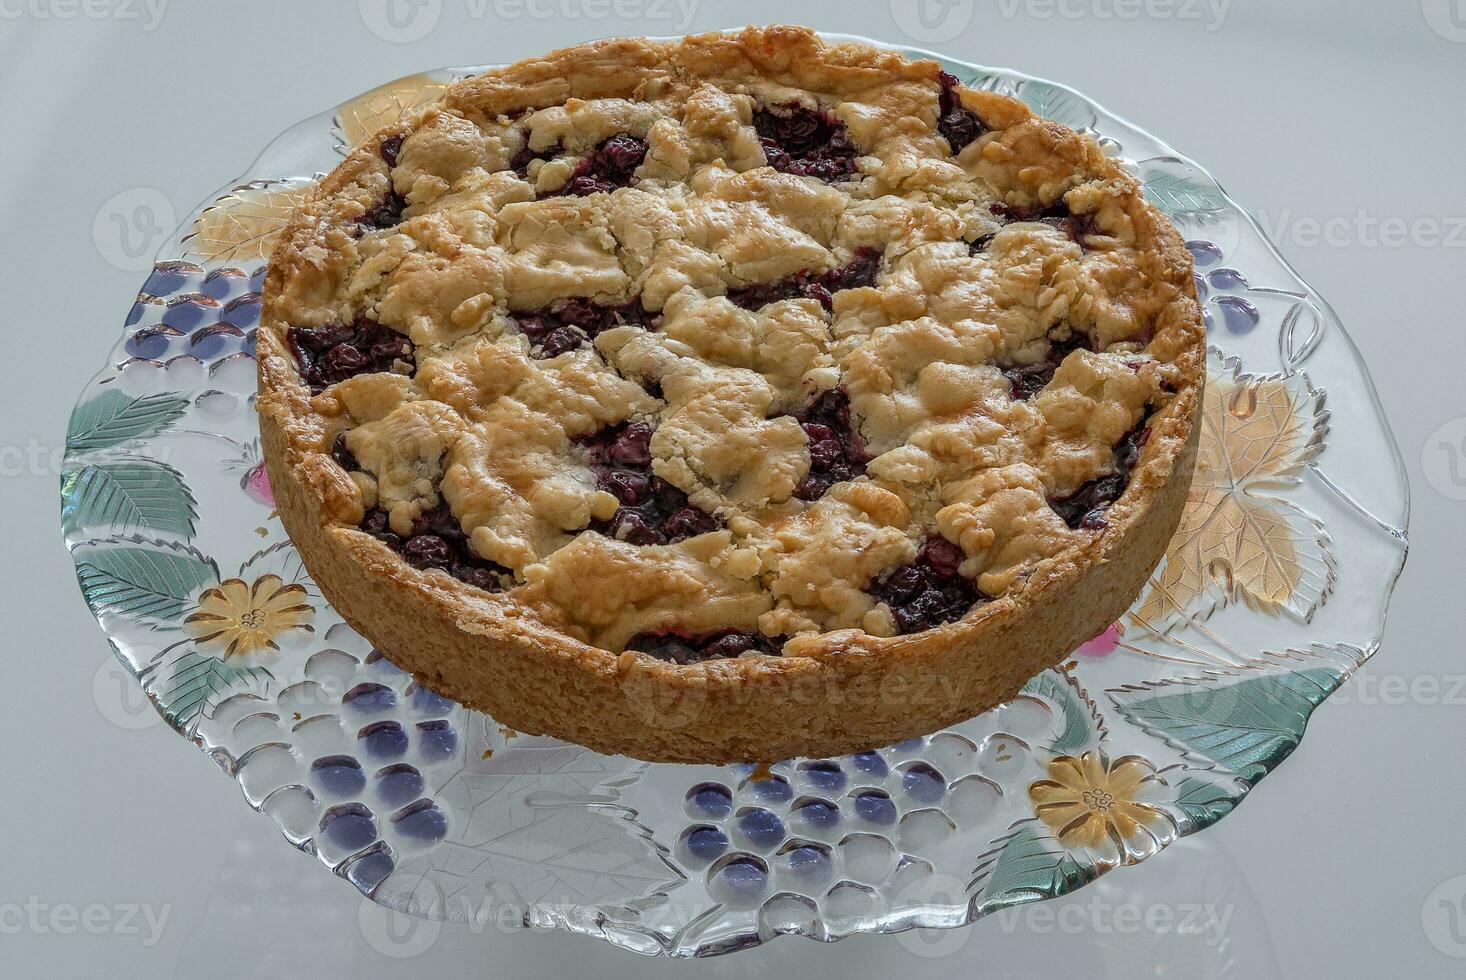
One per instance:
(614,363)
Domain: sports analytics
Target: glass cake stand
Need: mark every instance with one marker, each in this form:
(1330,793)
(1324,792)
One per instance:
(1273,591)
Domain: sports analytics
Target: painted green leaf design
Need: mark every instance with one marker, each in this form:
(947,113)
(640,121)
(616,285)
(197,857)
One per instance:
(1203,803)
(128,494)
(146,583)
(113,418)
(1054,103)
(1180,196)
(1027,865)
(1082,724)
(1248,727)
(197,683)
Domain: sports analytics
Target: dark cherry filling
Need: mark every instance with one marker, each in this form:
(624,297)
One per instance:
(652,510)
(571,323)
(1029,380)
(930,591)
(521,161)
(957,125)
(1086,507)
(343,456)
(387,214)
(391,146)
(859,271)
(679,648)
(836,451)
(805,142)
(609,166)
(437,541)
(334,353)
(1056,215)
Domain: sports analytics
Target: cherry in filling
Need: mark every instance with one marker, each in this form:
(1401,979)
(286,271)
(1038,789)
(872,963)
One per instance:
(652,510)
(386,213)
(957,125)
(1055,215)
(1086,507)
(928,592)
(521,161)
(805,142)
(388,150)
(570,324)
(679,648)
(980,244)
(334,353)
(836,450)
(609,166)
(859,271)
(1026,381)
(344,457)
(437,541)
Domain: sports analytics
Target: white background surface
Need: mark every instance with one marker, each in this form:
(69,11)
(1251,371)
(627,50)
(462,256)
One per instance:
(1307,110)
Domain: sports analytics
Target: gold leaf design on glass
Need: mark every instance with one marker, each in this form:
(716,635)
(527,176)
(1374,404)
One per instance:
(242,225)
(1238,539)
(383,106)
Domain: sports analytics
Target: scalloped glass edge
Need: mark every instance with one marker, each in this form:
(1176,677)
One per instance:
(1391,517)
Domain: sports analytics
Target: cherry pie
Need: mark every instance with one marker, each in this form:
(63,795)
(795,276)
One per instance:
(732,399)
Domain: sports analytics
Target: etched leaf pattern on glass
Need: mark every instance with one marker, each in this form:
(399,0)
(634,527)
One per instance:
(242,225)
(1238,538)
(383,106)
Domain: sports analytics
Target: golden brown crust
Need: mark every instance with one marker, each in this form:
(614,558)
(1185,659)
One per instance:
(839,690)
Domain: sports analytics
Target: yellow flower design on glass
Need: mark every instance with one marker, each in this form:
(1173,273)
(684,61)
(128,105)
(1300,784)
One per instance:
(245,617)
(1090,802)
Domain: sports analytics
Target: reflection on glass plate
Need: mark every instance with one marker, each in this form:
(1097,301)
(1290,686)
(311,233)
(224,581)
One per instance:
(1273,591)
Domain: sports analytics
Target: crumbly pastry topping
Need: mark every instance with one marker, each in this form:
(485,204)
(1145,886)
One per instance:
(699,348)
